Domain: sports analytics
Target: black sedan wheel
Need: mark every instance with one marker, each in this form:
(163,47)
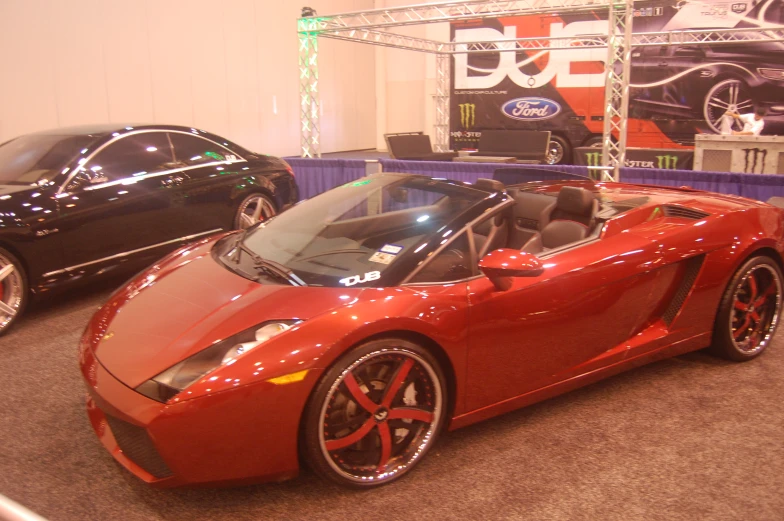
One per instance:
(749,311)
(375,414)
(253,209)
(13,290)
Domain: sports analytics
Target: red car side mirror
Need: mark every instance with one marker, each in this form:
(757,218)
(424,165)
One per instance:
(500,266)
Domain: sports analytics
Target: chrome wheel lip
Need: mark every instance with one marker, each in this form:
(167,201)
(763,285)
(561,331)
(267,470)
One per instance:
(555,153)
(426,439)
(262,211)
(763,343)
(11,291)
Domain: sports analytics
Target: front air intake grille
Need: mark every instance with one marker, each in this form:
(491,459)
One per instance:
(138,447)
(693,266)
(671,210)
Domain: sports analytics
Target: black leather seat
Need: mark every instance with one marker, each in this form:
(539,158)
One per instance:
(570,219)
(493,233)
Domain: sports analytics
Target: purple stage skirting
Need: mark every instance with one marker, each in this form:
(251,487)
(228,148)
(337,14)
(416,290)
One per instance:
(315,176)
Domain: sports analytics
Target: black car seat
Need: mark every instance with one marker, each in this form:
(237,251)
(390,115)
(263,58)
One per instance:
(570,219)
(493,233)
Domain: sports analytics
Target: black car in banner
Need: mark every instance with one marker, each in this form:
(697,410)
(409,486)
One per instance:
(76,203)
(677,89)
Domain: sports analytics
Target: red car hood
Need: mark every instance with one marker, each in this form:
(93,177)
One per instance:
(186,304)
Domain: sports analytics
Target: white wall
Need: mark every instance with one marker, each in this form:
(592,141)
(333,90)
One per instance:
(229,67)
(405,81)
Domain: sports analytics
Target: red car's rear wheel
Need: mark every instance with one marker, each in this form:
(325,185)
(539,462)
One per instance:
(375,413)
(749,311)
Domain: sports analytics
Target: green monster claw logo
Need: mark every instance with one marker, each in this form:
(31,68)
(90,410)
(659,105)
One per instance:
(593,158)
(668,162)
(467,115)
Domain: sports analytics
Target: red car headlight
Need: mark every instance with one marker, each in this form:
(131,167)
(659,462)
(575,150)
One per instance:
(177,378)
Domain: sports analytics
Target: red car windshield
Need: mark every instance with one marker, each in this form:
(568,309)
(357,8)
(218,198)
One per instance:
(353,234)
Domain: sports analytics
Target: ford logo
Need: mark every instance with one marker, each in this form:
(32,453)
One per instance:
(530,109)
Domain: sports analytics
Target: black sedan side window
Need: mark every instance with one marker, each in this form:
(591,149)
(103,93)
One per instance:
(131,156)
(193,150)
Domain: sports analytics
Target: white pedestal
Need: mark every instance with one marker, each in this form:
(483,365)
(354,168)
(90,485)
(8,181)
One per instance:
(742,154)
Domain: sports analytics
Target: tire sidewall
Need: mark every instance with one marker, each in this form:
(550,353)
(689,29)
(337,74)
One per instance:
(723,344)
(310,440)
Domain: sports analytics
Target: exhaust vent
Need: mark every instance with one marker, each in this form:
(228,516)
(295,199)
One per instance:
(671,210)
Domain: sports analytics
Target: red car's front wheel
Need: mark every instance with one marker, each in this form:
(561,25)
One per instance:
(375,414)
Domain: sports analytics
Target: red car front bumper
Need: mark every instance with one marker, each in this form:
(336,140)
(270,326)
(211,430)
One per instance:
(247,434)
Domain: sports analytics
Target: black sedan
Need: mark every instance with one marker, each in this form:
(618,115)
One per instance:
(76,203)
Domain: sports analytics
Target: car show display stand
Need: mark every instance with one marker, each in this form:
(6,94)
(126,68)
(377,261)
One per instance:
(741,154)
(484,159)
(654,158)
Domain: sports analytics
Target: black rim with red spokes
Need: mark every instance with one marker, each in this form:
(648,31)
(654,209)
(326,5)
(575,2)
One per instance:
(755,309)
(380,415)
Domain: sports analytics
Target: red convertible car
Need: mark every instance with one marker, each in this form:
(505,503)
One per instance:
(351,330)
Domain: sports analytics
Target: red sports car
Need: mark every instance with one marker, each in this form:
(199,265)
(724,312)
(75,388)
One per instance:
(351,330)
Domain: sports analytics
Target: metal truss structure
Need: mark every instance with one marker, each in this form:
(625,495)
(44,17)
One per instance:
(371,27)
(617,70)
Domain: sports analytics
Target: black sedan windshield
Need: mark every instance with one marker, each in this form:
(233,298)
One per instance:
(33,157)
(353,234)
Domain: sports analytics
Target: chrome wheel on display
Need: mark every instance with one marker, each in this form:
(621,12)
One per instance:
(378,417)
(253,209)
(555,153)
(12,290)
(749,311)
(756,305)
(727,95)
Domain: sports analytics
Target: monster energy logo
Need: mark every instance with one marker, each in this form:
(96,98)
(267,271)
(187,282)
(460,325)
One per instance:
(593,158)
(467,115)
(668,162)
(752,155)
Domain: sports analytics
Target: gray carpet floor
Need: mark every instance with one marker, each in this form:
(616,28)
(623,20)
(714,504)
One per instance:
(692,438)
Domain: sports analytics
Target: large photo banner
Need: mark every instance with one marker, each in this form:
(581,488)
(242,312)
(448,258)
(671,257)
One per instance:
(677,91)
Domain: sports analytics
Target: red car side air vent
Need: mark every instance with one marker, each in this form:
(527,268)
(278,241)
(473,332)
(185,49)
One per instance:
(671,210)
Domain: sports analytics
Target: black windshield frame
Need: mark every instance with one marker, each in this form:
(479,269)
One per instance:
(476,202)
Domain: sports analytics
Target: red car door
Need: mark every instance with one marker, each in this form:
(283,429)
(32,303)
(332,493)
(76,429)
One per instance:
(572,319)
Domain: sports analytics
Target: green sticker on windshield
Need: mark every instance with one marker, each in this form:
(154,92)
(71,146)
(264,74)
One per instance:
(214,155)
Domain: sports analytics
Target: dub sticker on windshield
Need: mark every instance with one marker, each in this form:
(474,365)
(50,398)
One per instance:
(357,279)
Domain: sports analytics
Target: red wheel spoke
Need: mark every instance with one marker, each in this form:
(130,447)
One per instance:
(352,438)
(740,305)
(738,332)
(752,288)
(357,394)
(397,381)
(768,292)
(755,317)
(406,413)
(386,446)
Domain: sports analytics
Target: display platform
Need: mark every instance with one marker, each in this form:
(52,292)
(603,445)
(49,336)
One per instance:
(652,158)
(742,154)
(317,175)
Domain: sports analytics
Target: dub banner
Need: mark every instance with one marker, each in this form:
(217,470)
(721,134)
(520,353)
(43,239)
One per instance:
(663,159)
